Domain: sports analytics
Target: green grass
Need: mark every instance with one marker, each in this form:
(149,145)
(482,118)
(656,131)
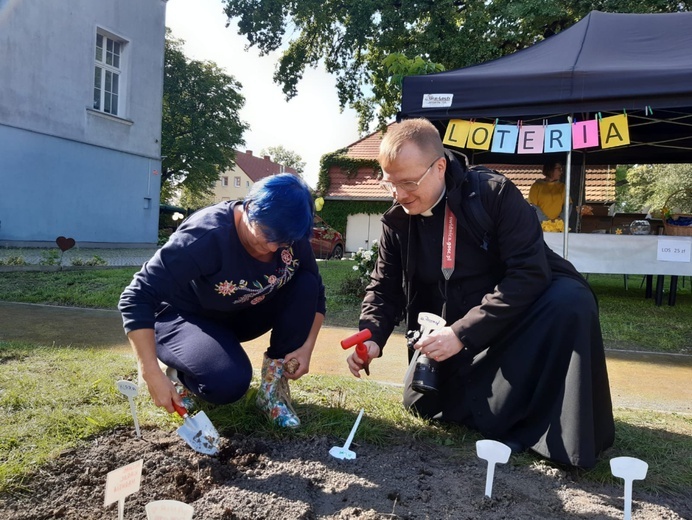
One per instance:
(629,321)
(53,399)
(97,288)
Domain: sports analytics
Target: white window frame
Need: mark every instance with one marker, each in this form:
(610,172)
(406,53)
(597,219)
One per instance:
(224,181)
(236,182)
(109,74)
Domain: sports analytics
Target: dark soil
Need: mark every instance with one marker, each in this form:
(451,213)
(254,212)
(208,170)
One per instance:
(298,479)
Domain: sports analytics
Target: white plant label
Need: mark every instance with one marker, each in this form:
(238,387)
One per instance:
(123,482)
(127,387)
(130,390)
(169,510)
(672,250)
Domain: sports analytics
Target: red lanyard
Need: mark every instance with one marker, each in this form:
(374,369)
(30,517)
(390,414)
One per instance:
(449,243)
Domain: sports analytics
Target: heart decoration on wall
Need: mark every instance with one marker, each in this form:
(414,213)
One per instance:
(65,243)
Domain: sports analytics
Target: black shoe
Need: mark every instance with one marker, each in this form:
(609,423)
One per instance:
(514,445)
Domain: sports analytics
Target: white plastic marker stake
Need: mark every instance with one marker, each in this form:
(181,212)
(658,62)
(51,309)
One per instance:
(629,469)
(121,483)
(343,452)
(168,510)
(429,322)
(494,452)
(130,390)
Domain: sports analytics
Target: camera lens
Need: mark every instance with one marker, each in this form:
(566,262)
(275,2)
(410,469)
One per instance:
(425,375)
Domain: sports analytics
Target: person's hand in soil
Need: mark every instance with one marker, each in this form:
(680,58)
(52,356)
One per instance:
(355,364)
(160,388)
(439,344)
(163,392)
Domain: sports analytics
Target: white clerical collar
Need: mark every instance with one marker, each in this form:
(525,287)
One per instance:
(429,212)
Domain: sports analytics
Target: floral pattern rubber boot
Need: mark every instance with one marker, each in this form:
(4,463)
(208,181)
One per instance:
(274,396)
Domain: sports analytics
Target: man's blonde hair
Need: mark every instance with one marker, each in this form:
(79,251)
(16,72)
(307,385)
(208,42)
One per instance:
(419,131)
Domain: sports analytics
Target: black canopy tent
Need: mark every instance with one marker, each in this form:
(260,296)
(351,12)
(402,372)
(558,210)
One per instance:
(606,64)
(640,64)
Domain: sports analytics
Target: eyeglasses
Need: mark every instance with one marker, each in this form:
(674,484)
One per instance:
(407,186)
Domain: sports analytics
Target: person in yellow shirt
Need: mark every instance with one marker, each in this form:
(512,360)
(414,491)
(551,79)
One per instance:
(547,195)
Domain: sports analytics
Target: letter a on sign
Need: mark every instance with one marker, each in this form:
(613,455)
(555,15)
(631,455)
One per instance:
(457,133)
(614,131)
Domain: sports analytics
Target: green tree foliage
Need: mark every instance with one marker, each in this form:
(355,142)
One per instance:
(649,186)
(201,127)
(356,39)
(288,158)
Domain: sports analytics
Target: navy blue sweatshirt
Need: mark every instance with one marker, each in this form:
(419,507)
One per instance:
(204,269)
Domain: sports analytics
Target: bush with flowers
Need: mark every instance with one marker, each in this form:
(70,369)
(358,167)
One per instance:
(365,262)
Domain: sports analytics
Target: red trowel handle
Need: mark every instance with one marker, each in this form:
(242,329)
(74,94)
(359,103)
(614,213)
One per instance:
(180,409)
(361,349)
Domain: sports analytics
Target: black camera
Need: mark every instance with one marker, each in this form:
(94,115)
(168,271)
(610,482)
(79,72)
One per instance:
(426,372)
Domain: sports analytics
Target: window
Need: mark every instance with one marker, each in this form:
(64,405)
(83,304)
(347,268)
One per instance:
(247,184)
(224,181)
(107,72)
(236,182)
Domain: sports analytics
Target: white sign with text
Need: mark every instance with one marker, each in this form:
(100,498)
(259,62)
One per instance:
(169,510)
(672,250)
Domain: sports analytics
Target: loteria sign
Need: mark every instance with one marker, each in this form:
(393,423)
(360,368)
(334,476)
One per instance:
(606,132)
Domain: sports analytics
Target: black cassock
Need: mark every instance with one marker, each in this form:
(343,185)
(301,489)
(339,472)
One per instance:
(543,383)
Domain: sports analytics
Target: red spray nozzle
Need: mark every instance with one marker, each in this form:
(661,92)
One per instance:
(362,350)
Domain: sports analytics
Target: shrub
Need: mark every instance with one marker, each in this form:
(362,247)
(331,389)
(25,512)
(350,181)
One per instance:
(13,260)
(365,263)
(50,257)
(93,261)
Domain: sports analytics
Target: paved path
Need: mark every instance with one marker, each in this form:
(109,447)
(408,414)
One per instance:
(637,380)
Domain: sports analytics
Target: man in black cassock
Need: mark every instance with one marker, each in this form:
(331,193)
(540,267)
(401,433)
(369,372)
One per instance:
(521,358)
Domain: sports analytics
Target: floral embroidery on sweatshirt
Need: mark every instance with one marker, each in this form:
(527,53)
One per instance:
(257,290)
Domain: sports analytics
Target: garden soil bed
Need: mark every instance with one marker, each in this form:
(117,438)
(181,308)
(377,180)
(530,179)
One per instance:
(297,479)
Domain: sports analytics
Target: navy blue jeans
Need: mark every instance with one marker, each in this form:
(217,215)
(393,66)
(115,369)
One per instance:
(207,352)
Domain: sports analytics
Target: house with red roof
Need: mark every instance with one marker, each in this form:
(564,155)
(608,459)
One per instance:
(354,200)
(233,184)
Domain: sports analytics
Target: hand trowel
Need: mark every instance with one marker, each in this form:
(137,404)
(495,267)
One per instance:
(198,432)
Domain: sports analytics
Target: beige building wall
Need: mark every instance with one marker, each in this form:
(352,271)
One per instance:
(233,184)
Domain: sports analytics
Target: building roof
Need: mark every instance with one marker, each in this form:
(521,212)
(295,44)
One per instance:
(259,167)
(600,180)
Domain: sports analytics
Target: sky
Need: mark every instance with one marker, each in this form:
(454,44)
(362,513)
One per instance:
(310,124)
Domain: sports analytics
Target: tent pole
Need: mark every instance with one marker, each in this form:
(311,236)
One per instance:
(565,206)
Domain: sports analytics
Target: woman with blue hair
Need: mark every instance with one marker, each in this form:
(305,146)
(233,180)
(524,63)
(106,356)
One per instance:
(230,273)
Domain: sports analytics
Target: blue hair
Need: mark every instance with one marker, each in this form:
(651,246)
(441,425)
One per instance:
(282,206)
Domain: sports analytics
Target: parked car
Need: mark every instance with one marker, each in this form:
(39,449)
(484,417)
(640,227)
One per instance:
(326,241)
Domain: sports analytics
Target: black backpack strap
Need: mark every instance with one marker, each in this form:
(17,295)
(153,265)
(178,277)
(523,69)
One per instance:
(483,228)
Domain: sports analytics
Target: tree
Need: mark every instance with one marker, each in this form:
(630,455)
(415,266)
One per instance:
(355,39)
(201,127)
(649,186)
(288,158)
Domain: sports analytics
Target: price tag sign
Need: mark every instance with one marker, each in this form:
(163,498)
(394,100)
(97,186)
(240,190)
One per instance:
(123,482)
(674,250)
(169,510)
